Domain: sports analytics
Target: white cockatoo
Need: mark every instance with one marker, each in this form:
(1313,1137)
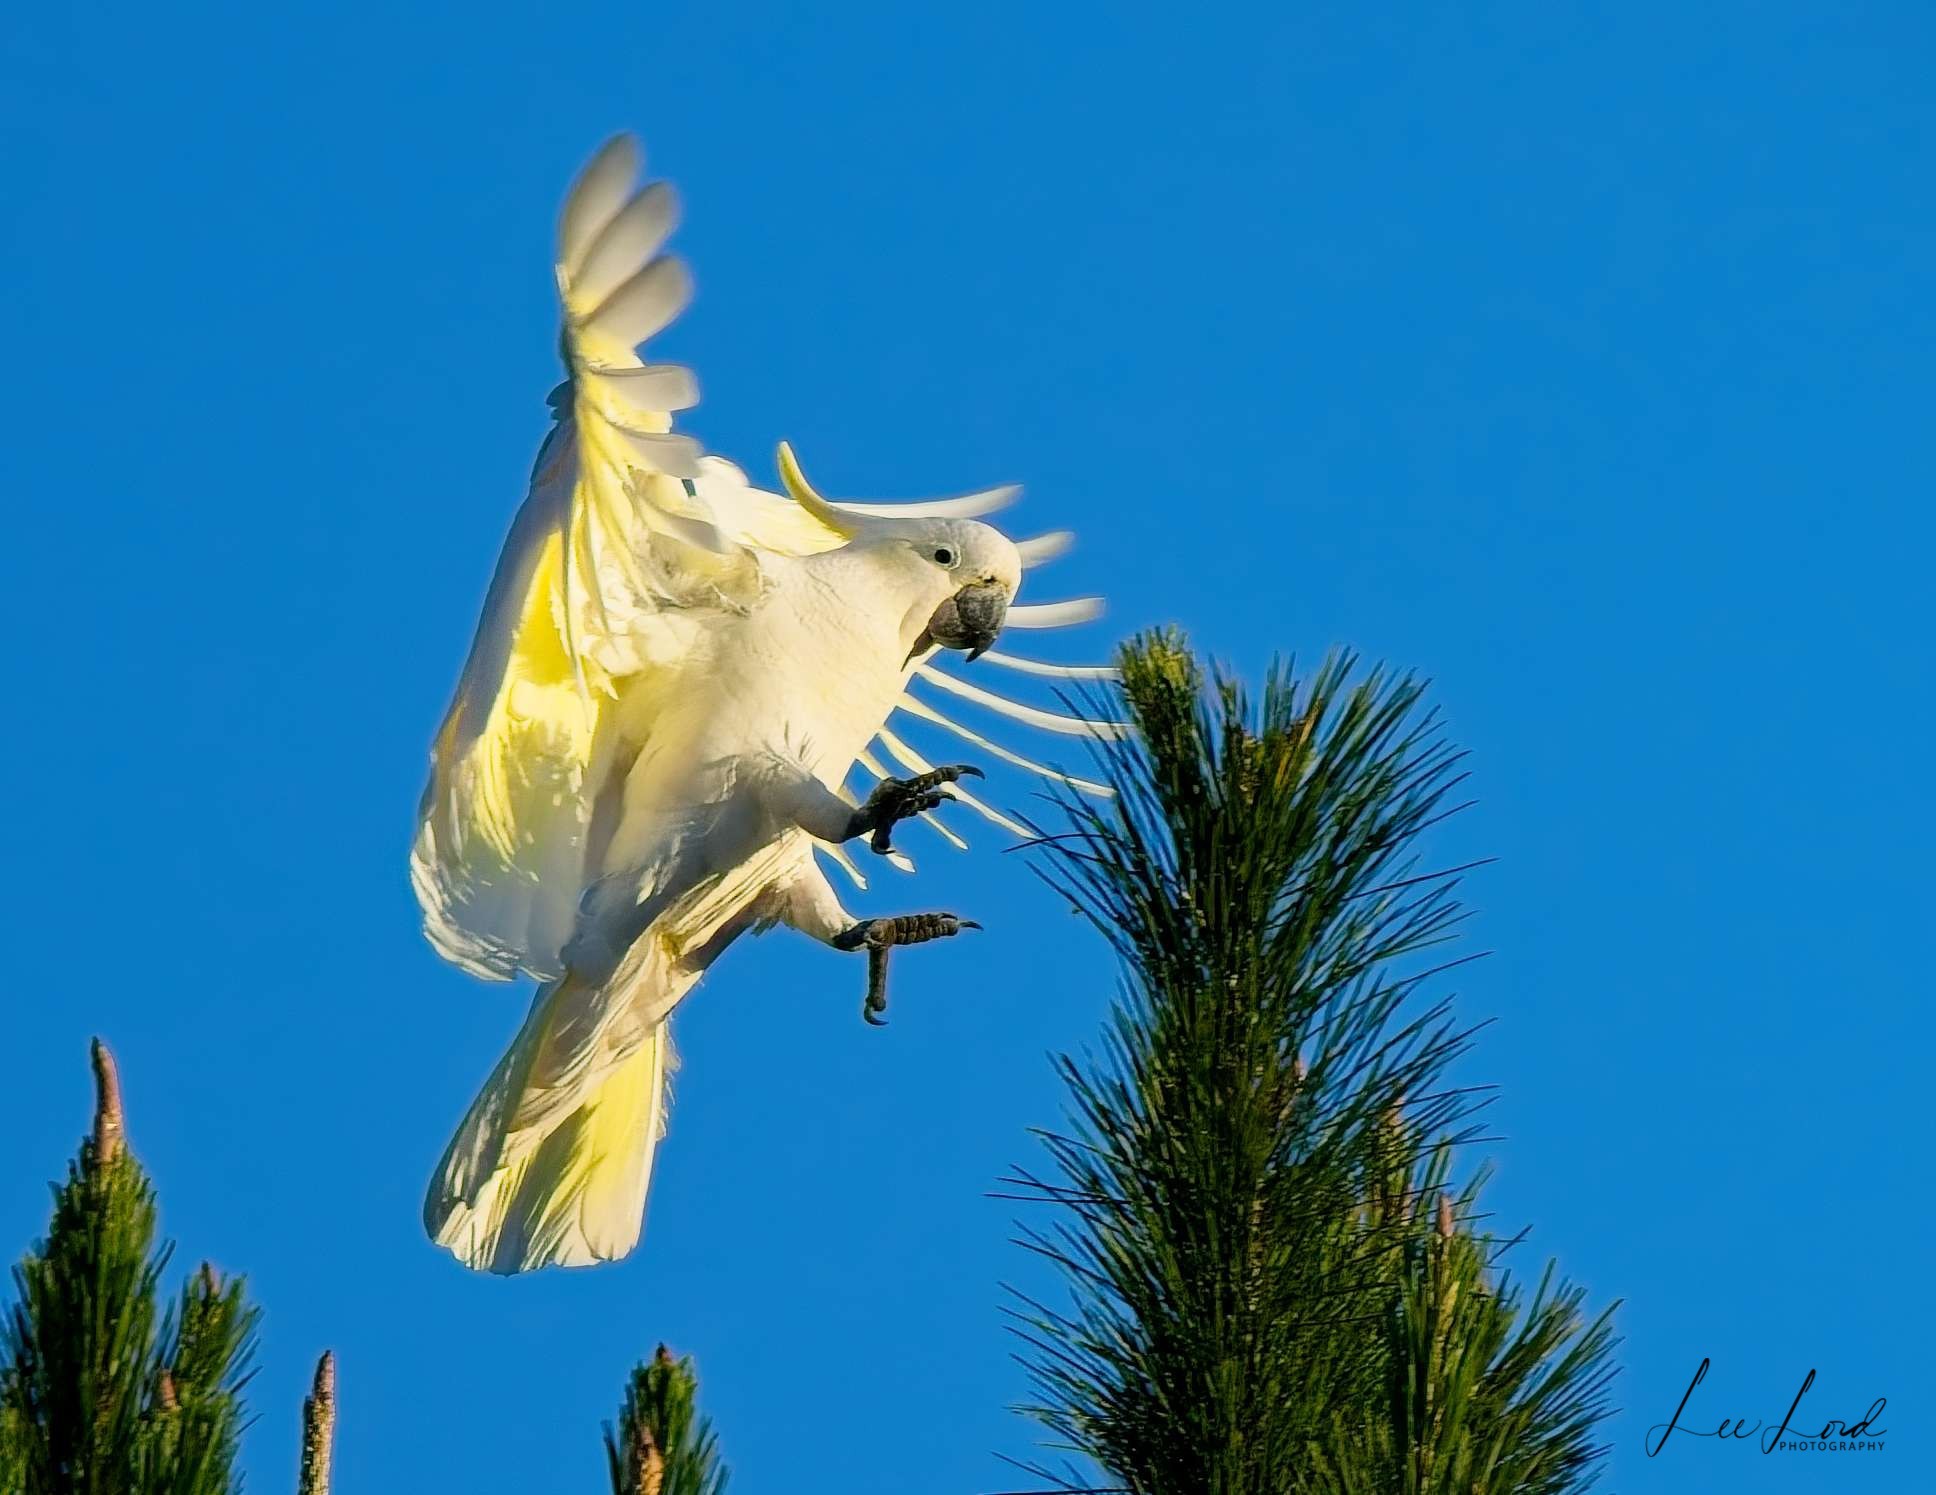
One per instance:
(674,675)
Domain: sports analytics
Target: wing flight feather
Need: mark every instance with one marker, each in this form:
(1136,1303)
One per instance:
(628,538)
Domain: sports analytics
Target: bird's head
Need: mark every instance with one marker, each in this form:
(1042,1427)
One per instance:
(977,571)
(957,575)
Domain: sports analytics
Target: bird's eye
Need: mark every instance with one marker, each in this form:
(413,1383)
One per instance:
(944,556)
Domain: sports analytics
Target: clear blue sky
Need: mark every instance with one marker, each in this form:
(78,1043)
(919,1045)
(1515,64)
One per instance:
(1577,357)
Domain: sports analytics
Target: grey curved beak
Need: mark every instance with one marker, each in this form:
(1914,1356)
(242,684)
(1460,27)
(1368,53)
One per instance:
(971,619)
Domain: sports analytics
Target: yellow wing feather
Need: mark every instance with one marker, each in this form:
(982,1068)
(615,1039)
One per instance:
(628,539)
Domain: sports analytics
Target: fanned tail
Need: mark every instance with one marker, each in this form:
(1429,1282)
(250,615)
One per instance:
(552,1162)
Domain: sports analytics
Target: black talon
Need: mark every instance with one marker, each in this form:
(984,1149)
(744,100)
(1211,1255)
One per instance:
(878,936)
(876,999)
(894,800)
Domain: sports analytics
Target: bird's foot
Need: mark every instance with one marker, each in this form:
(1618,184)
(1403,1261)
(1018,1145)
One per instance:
(878,936)
(894,800)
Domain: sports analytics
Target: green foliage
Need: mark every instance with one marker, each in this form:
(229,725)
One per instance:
(1235,1188)
(80,1339)
(1481,1390)
(100,1392)
(206,1346)
(13,1451)
(661,1445)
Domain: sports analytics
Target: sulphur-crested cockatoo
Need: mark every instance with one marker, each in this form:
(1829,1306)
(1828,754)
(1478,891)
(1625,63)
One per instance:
(674,675)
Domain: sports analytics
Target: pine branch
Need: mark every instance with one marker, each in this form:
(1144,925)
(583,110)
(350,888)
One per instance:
(1239,1175)
(13,1444)
(660,1444)
(1479,1396)
(80,1337)
(100,1391)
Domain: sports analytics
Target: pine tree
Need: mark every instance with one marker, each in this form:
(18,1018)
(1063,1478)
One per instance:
(660,1444)
(103,1391)
(1259,1301)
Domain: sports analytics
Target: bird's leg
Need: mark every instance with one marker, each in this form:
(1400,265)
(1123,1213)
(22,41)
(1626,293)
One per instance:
(878,936)
(893,800)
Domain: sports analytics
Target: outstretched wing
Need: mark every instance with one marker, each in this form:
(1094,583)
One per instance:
(628,542)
